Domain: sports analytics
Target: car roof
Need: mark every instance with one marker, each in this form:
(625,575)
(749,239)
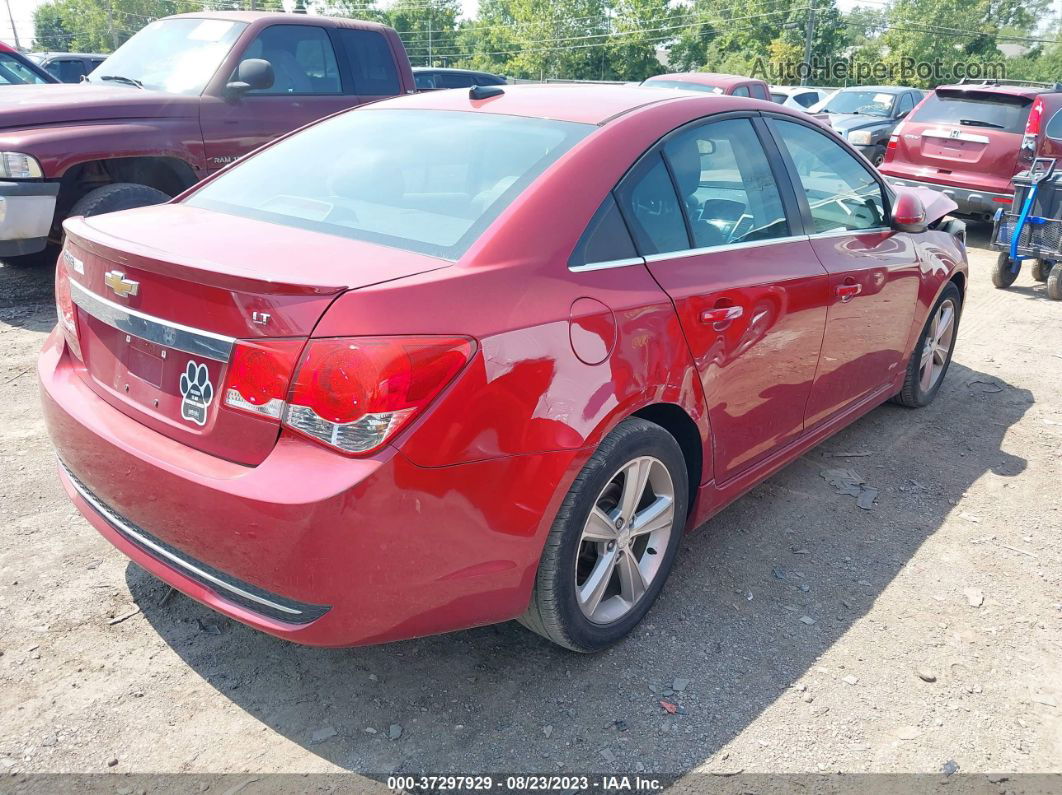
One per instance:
(450,71)
(585,104)
(881,89)
(68,54)
(252,17)
(706,78)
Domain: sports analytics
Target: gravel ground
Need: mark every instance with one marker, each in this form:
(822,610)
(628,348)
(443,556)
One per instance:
(798,632)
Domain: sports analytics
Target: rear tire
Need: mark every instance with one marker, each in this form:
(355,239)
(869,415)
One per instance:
(1041,269)
(115,197)
(1054,283)
(934,348)
(579,549)
(1002,275)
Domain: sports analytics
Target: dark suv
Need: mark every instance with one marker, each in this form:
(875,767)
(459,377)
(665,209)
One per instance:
(866,115)
(969,140)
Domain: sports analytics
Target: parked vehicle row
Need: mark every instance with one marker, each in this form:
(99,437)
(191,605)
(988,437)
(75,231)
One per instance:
(67,67)
(18,70)
(402,379)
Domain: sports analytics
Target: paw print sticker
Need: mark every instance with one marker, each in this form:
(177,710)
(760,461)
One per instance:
(196,392)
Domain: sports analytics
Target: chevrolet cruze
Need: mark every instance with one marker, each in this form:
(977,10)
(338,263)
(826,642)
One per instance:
(471,356)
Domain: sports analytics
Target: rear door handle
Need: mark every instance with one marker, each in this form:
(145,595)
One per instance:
(847,292)
(724,314)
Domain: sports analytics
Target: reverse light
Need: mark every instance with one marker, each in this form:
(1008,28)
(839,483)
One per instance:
(356,393)
(16,165)
(259,374)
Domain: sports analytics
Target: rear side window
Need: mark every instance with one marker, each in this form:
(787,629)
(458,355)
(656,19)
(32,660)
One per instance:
(1054,126)
(606,238)
(651,207)
(740,91)
(725,184)
(371,63)
(424,181)
(69,70)
(975,109)
(449,80)
(807,99)
(424,80)
(758,92)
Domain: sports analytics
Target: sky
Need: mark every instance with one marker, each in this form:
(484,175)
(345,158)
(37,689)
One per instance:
(22,11)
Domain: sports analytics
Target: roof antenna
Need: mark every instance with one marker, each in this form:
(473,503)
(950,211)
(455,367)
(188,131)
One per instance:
(485,92)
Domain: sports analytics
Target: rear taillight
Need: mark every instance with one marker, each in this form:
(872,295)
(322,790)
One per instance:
(64,308)
(355,393)
(1027,153)
(351,393)
(259,374)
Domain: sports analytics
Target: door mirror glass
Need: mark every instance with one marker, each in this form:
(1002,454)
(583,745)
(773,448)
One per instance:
(908,213)
(253,74)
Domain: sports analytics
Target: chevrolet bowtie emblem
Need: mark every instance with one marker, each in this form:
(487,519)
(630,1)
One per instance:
(121,286)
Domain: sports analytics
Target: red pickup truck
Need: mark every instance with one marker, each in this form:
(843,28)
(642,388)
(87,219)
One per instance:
(181,99)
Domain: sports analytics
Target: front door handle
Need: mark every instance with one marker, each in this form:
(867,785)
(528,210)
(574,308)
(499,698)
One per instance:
(847,292)
(722,316)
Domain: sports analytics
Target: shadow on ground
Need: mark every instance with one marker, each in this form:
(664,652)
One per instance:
(22,292)
(501,699)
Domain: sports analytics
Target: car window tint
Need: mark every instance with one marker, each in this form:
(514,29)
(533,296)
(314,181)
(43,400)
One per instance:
(906,103)
(449,80)
(69,70)
(1054,126)
(758,92)
(841,193)
(725,184)
(778,98)
(302,58)
(606,238)
(420,180)
(651,208)
(424,80)
(740,91)
(371,63)
(807,99)
(975,109)
(15,73)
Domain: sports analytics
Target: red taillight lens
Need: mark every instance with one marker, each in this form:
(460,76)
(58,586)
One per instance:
(355,393)
(64,308)
(259,374)
(1036,115)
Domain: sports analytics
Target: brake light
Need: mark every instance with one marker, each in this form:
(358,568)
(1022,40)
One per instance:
(64,308)
(259,374)
(1027,152)
(355,393)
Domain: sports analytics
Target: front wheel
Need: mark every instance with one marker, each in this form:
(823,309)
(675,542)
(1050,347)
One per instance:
(1054,283)
(932,354)
(1003,275)
(614,540)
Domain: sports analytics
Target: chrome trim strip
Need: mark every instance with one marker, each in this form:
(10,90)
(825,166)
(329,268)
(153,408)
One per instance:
(162,332)
(955,135)
(694,252)
(124,528)
(839,232)
(612,263)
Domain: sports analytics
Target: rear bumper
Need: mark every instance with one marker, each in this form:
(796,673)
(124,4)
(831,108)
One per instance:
(969,201)
(364,550)
(26,212)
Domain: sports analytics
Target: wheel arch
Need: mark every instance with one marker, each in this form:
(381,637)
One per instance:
(674,419)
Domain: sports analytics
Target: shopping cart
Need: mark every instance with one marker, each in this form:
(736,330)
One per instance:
(1034,232)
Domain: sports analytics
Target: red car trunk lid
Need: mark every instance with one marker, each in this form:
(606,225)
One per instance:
(164,293)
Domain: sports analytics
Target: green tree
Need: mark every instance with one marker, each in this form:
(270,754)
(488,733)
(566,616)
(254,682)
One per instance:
(637,28)
(428,28)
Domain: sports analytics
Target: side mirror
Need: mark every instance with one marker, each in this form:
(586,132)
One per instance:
(908,213)
(253,74)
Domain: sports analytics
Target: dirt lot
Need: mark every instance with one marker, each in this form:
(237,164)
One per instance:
(796,633)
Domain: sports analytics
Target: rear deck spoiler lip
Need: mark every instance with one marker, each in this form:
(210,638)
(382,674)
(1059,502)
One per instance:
(122,251)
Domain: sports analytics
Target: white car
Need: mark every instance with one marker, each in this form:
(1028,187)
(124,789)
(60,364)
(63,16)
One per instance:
(799,97)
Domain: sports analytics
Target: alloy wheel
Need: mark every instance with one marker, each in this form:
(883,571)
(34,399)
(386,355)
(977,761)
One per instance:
(937,346)
(624,540)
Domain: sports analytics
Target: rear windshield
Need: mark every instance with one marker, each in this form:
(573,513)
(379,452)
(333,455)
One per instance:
(425,181)
(990,111)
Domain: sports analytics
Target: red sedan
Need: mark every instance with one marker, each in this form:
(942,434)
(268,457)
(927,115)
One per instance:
(464,357)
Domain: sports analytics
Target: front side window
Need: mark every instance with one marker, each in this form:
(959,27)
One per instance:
(13,72)
(649,204)
(451,80)
(906,103)
(371,63)
(302,58)
(725,184)
(424,181)
(178,56)
(841,193)
(68,70)
(424,80)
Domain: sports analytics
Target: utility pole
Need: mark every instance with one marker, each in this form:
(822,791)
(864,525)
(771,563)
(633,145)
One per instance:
(110,24)
(14,30)
(809,35)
